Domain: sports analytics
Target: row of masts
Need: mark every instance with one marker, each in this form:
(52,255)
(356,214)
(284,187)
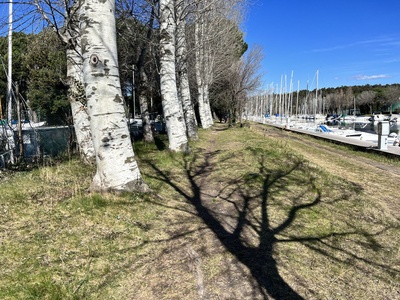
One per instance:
(279,102)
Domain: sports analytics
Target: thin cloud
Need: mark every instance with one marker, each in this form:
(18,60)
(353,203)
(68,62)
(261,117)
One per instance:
(370,77)
(379,41)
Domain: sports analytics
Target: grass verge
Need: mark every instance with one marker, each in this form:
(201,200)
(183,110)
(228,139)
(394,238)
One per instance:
(249,214)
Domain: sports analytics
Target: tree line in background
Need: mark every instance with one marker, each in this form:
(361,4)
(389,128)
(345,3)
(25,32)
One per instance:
(368,99)
(98,63)
(344,100)
(40,64)
(39,71)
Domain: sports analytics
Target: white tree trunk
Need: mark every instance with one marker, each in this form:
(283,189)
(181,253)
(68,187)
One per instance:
(200,65)
(182,74)
(216,40)
(77,99)
(69,34)
(172,108)
(188,110)
(117,168)
(144,108)
(207,105)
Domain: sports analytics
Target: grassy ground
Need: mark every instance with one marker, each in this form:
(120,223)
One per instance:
(251,213)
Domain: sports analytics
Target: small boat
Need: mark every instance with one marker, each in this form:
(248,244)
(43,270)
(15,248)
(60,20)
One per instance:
(379,118)
(27,124)
(373,137)
(343,132)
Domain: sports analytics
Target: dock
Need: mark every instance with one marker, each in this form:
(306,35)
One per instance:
(391,151)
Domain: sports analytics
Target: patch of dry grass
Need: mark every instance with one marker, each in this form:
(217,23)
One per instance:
(249,214)
(59,242)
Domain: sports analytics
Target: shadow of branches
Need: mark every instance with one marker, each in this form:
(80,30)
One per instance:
(240,213)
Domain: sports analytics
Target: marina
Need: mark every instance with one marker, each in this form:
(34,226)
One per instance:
(361,135)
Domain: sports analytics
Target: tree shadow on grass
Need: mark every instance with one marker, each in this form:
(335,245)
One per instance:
(160,144)
(247,230)
(259,259)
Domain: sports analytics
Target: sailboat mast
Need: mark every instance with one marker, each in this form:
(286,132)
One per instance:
(285,98)
(9,78)
(316,98)
(291,95)
(297,99)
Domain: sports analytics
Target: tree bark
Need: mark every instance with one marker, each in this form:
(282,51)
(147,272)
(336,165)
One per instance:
(144,107)
(144,81)
(77,99)
(182,75)
(69,34)
(117,168)
(172,108)
(201,73)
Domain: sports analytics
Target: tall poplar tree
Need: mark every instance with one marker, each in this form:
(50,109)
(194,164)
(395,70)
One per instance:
(69,35)
(117,168)
(182,70)
(214,31)
(172,108)
(76,91)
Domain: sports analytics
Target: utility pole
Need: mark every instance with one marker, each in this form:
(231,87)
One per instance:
(9,75)
(133,92)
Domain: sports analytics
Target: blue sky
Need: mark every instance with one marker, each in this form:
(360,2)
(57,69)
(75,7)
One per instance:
(348,42)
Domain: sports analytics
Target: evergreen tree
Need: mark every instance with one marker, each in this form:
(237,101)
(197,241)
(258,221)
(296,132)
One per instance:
(47,89)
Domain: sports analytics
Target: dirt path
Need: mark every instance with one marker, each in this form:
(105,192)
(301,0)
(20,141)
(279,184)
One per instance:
(374,177)
(336,153)
(236,230)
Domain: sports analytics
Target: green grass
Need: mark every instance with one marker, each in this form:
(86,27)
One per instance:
(242,201)
(60,242)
